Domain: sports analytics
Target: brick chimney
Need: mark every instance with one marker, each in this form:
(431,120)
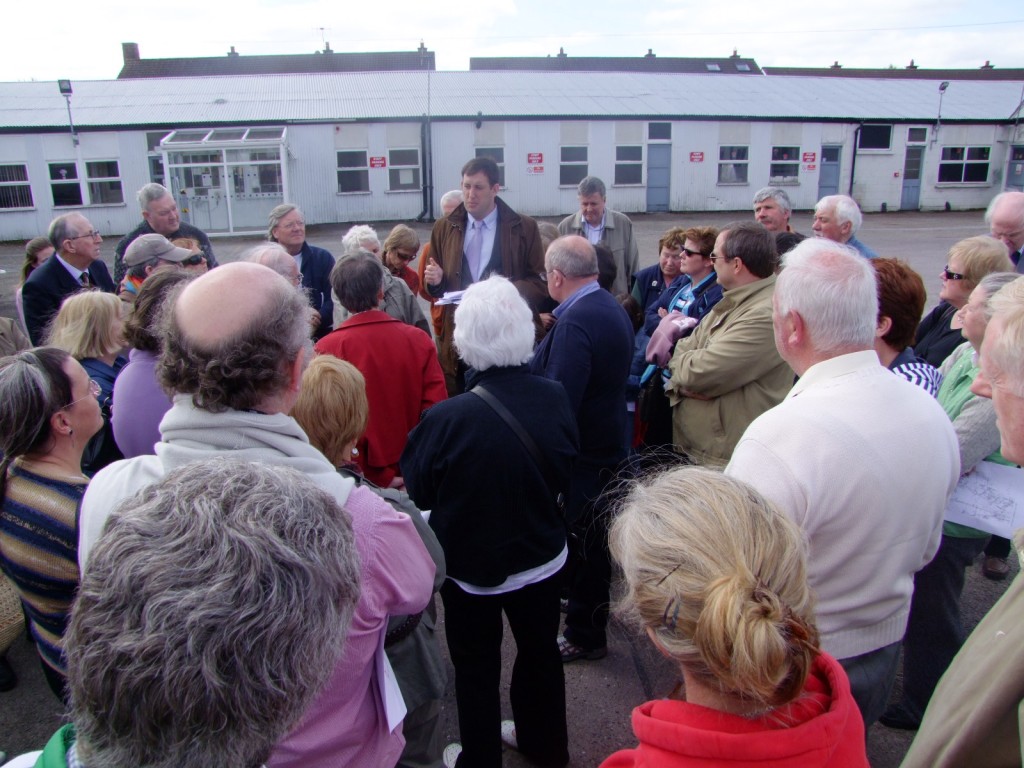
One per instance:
(130,52)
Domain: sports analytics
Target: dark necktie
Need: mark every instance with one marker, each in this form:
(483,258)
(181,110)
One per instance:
(85,280)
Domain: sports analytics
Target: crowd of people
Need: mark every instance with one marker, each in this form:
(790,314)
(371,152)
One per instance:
(230,493)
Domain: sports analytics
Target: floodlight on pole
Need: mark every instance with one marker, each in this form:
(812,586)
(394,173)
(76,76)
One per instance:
(65,89)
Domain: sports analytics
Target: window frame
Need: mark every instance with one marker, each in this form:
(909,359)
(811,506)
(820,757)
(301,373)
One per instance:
(95,183)
(491,151)
(574,166)
(363,171)
(15,184)
(875,128)
(394,171)
(736,163)
(74,182)
(965,163)
(778,177)
(628,165)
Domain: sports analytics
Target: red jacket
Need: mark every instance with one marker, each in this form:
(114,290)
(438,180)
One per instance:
(403,379)
(823,727)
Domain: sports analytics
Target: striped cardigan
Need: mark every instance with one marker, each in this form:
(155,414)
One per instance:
(39,553)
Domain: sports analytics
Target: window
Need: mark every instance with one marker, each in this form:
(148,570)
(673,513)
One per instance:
(732,165)
(104,182)
(713,68)
(64,184)
(15,191)
(875,137)
(964,164)
(497,154)
(785,165)
(403,169)
(353,171)
(917,135)
(629,165)
(573,168)
(659,131)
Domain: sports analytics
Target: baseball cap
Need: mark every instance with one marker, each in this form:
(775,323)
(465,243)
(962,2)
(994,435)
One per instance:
(148,247)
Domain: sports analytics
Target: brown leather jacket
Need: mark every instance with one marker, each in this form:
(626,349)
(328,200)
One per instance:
(522,262)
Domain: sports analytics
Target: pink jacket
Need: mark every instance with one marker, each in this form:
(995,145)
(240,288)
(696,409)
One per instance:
(346,725)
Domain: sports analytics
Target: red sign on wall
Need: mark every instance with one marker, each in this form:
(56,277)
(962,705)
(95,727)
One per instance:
(696,157)
(535,169)
(810,157)
(534,158)
(378,162)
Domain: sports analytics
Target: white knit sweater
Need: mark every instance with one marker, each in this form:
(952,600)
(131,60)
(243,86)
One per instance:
(864,462)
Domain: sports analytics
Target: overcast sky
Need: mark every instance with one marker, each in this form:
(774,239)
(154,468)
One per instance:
(58,39)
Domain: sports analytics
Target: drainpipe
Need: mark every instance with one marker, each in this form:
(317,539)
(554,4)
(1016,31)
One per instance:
(427,214)
(853,165)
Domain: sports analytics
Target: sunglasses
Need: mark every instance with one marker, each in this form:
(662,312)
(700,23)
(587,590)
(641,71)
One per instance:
(952,275)
(193,260)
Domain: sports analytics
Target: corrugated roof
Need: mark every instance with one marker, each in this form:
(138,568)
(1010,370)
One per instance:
(501,95)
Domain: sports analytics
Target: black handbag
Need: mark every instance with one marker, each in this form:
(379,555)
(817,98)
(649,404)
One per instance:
(655,410)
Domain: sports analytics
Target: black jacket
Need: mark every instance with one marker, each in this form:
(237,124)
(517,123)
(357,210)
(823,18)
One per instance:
(48,286)
(491,508)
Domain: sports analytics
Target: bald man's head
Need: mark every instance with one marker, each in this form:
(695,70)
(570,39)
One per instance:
(232,335)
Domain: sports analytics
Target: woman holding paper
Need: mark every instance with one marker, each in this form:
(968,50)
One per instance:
(934,631)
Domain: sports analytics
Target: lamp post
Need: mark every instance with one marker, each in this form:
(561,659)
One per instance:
(65,90)
(938,118)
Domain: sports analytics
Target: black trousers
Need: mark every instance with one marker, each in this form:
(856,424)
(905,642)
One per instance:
(474,628)
(589,572)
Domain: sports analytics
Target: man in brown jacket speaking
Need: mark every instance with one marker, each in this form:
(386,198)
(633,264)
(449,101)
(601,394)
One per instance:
(481,237)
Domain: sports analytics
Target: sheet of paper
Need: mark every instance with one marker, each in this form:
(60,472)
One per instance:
(394,703)
(991,498)
(451,297)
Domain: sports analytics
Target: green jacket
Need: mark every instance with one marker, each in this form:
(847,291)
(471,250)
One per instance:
(731,360)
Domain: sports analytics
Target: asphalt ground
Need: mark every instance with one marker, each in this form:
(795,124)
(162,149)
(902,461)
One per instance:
(599,694)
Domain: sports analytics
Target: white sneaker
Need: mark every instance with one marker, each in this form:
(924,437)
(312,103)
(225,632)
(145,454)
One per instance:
(451,754)
(508,734)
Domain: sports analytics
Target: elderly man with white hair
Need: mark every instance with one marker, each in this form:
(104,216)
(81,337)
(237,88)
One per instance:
(862,460)
(838,218)
(1005,219)
(399,301)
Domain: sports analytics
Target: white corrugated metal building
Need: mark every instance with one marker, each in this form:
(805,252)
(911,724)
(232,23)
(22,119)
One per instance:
(356,146)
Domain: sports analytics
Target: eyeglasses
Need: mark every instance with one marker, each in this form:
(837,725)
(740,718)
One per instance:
(404,255)
(715,257)
(94,392)
(688,252)
(92,234)
(193,260)
(952,275)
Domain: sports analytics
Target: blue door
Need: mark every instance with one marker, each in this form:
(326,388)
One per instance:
(910,200)
(659,162)
(828,178)
(1015,169)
